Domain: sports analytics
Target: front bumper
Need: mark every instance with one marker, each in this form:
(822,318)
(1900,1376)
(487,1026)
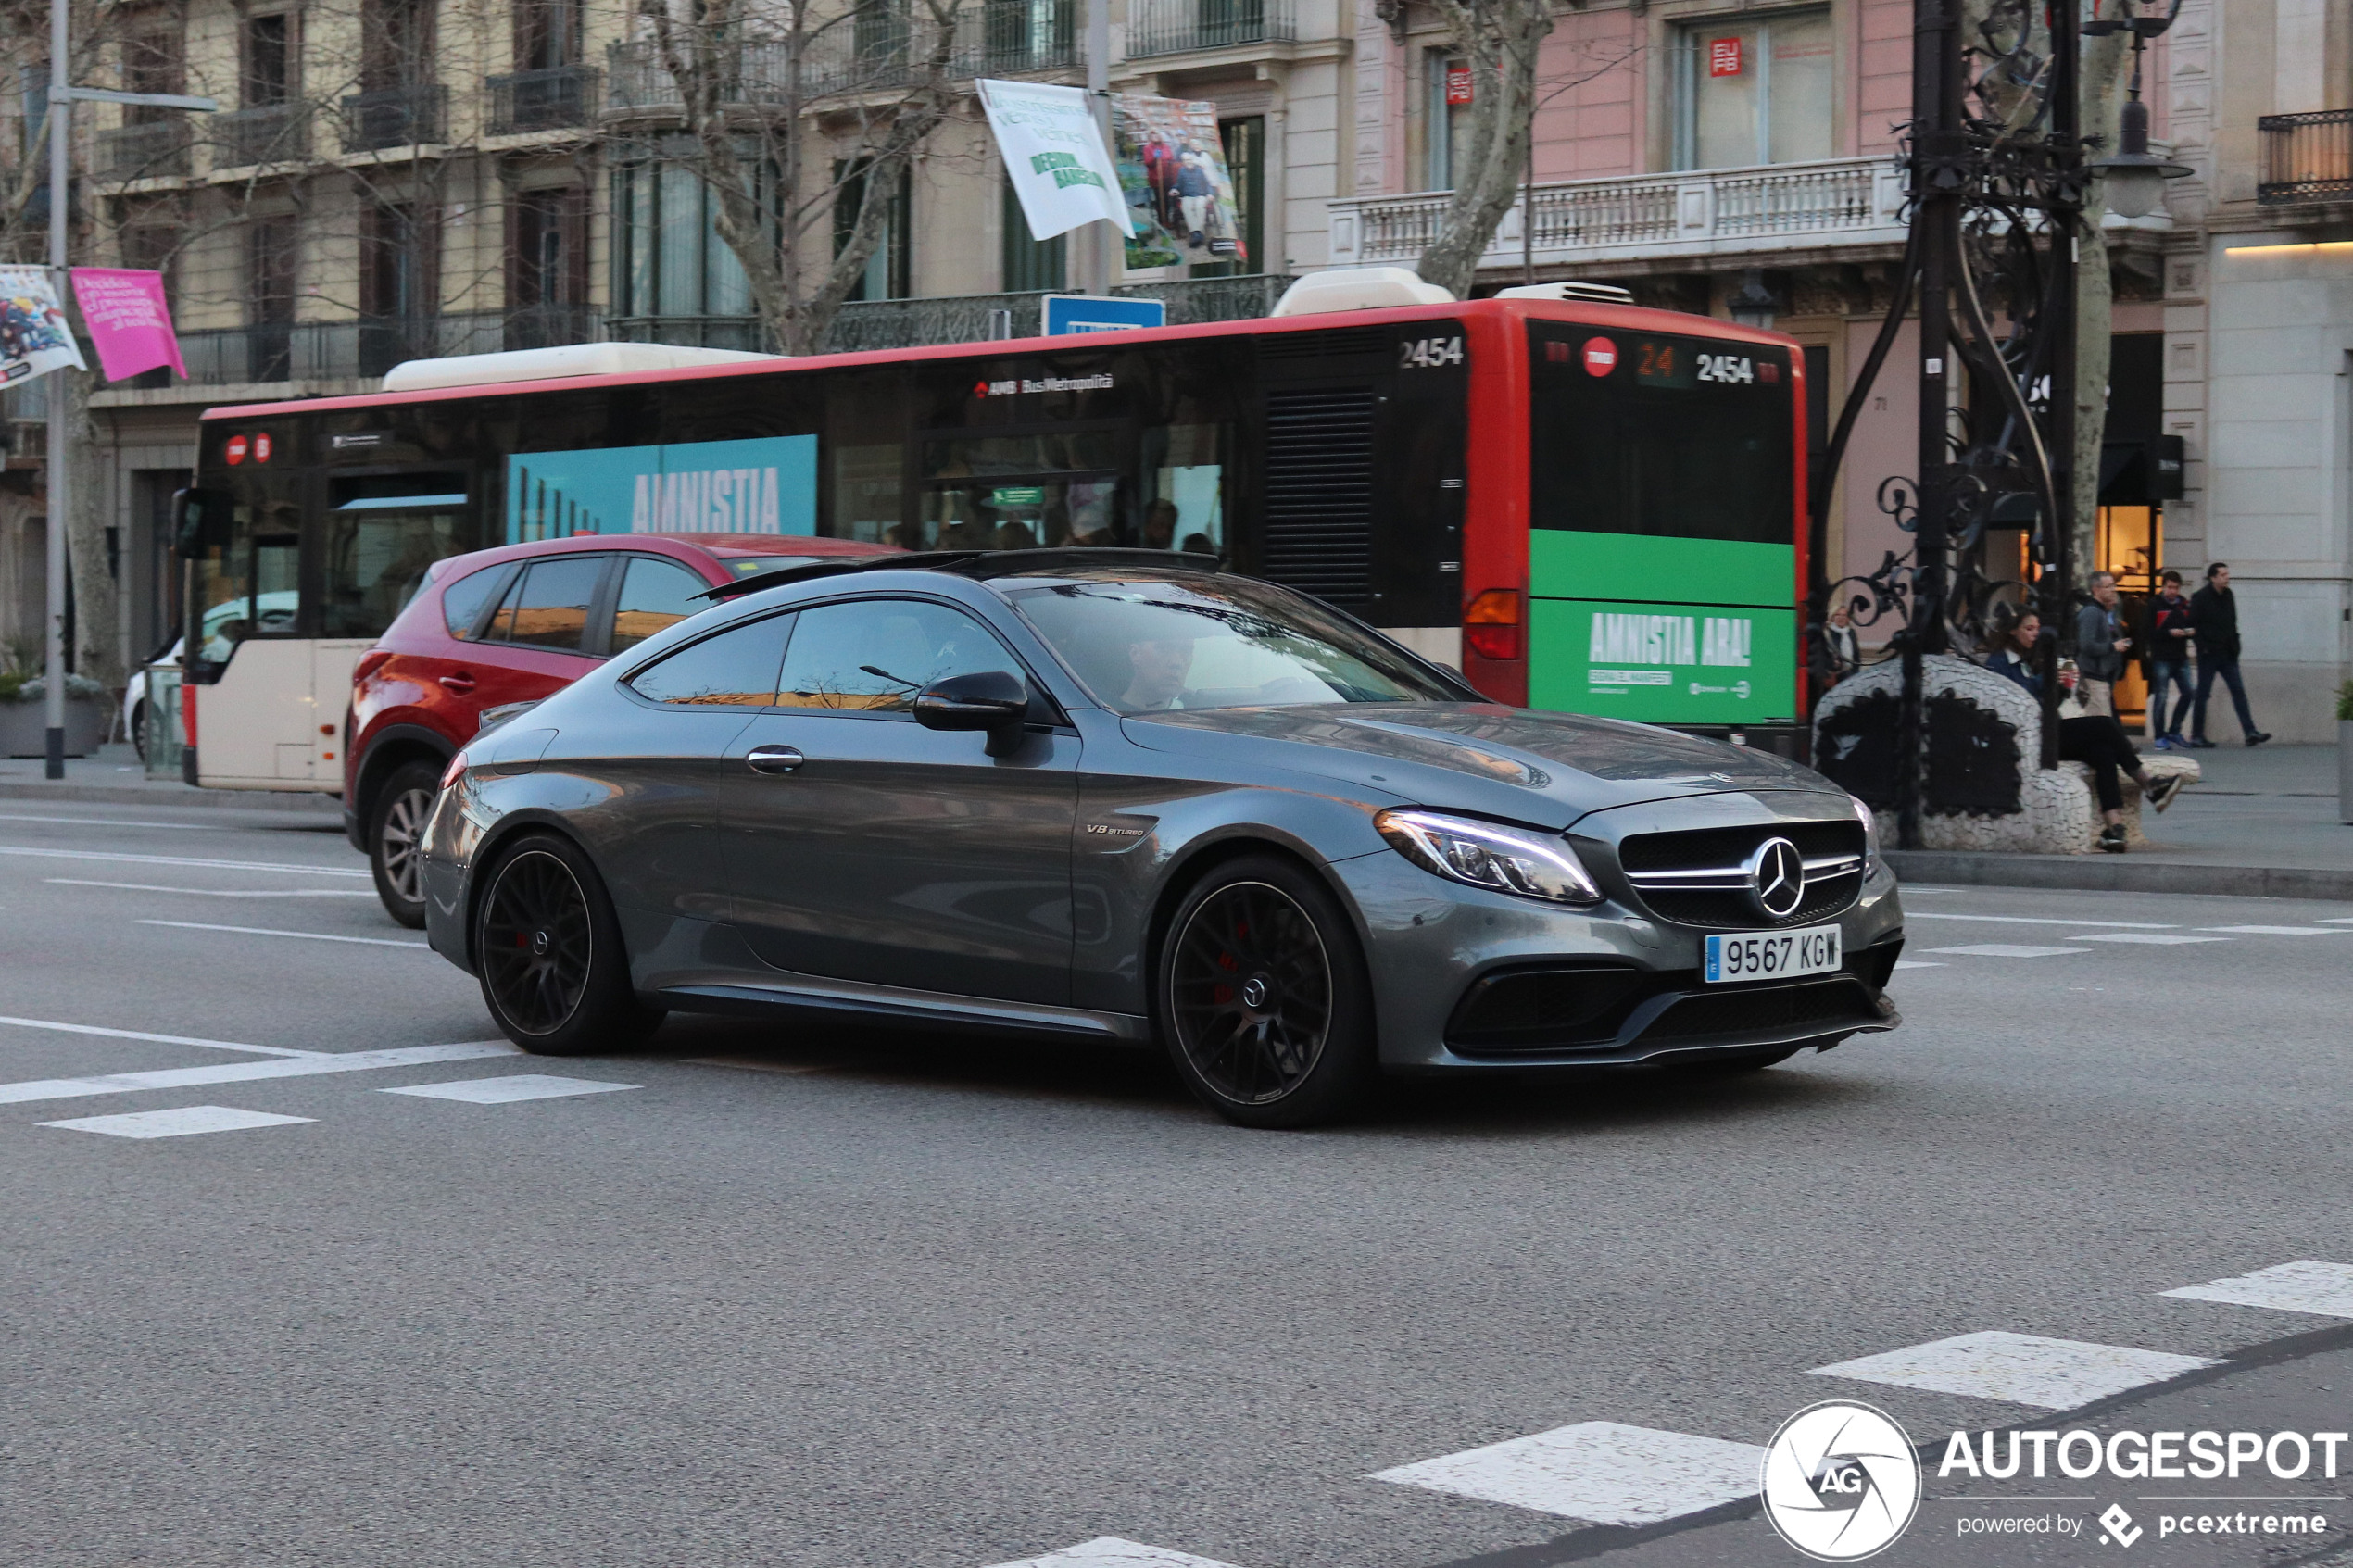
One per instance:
(1434,947)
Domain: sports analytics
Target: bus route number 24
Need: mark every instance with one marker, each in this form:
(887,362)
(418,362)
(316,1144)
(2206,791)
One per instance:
(1734,368)
(1427,353)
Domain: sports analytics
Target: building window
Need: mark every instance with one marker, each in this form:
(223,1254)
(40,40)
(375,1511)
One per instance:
(548,268)
(546,34)
(1753,91)
(1448,116)
(154,60)
(272,246)
(397,50)
(269,64)
(1245,146)
(668,258)
(399,284)
(889,270)
(1028,264)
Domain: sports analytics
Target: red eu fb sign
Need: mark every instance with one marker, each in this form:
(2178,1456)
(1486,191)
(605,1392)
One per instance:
(1723,56)
(1458,84)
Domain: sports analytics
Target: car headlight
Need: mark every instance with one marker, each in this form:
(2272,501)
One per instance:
(1520,860)
(1871,835)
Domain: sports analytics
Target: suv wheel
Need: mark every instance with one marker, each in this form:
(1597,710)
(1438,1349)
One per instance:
(554,972)
(396,831)
(1263,997)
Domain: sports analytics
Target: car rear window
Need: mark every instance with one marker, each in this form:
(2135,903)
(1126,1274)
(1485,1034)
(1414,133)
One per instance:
(463,601)
(548,607)
(655,595)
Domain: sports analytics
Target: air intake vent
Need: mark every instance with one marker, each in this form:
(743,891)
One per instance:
(1319,493)
(1321,345)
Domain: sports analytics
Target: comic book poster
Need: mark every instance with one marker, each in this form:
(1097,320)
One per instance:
(1173,174)
(34,336)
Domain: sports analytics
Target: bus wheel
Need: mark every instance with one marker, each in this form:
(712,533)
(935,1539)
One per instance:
(396,831)
(1264,999)
(554,972)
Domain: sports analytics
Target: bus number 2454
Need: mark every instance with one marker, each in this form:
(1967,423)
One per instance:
(1736,367)
(1426,353)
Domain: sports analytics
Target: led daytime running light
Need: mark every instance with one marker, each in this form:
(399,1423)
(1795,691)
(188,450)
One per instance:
(1519,860)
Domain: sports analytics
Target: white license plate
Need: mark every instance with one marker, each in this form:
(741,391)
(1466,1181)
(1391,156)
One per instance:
(1771,955)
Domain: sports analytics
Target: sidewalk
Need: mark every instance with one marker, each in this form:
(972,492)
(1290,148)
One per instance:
(2263,824)
(114,776)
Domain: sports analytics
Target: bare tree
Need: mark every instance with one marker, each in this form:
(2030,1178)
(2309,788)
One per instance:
(1497,41)
(792,113)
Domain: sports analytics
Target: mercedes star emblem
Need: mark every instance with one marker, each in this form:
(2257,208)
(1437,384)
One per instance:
(1777,878)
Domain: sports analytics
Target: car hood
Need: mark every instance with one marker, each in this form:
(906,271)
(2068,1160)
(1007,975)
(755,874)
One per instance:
(1547,768)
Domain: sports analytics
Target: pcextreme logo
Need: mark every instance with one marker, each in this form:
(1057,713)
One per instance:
(1841,1481)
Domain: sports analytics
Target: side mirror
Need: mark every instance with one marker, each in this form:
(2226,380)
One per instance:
(992,701)
(200,521)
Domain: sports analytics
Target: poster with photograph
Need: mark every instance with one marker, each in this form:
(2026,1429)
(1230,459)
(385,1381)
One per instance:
(1173,174)
(35,338)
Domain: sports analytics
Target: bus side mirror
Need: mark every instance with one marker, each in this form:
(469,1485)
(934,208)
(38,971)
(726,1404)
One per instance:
(199,523)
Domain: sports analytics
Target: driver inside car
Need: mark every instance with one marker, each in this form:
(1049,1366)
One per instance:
(1157,669)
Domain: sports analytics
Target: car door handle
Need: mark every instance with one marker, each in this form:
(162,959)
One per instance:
(773,759)
(459,684)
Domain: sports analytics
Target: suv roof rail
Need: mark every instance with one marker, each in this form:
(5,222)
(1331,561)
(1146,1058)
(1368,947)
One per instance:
(981,564)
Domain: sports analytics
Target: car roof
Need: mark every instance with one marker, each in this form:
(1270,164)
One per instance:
(710,546)
(1062,564)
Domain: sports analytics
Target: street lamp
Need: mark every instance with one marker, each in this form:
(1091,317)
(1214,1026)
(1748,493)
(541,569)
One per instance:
(2133,178)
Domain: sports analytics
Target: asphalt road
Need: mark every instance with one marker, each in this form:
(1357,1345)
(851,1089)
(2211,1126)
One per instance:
(850,1301)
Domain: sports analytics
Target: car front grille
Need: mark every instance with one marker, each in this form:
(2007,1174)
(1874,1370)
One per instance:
(1771,1010)
(1698,878)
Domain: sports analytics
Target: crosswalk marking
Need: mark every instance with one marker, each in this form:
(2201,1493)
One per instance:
(179,1122)
(2008,950)
(116,822)
(1596,1469)
(2039,919)
(2024,1369)
(507,1090)
(2307,1286)
(246,1072)
(159,1039)
(302,935)
(1110,1551)
(120,858)
(2275,930)
(1915,963)
(2144,939)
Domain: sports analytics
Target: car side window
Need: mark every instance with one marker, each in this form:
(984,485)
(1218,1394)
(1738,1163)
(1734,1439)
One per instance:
(735,669)
(873,656)
(463,601)
(655,595)
(548,607)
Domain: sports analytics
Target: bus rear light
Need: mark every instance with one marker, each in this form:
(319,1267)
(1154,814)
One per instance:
(450,774)
(1491,624)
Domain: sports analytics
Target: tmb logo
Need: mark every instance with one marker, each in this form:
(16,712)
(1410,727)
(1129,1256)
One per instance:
(1841,1481)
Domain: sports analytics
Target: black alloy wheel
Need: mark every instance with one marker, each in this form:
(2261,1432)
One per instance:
(1263,998)
(553,969)
(395,834)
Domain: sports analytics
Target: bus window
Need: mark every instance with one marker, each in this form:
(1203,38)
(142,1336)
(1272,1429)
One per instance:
(247,589)
(655,595)
(1019,491)
(866,486)
(1184,501)
(548,607)
(378,548)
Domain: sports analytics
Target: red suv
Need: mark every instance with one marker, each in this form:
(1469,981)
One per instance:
(503,628)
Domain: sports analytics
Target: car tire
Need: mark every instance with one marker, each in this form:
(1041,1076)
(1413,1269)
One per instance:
(138,736)
(395,832)
(1263,998)
(554,972)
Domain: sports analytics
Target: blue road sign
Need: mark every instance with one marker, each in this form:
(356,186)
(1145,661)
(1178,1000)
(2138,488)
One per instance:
(1067,313)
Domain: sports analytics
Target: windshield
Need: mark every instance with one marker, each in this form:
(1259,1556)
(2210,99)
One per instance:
(1149,647)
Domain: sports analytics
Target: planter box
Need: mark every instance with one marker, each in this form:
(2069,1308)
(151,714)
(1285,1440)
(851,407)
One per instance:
(24,727)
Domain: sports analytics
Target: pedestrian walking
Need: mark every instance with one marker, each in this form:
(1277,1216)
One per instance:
(2096,738)
(1836,652)
(2170,628)
(2214,616)
(2101,642)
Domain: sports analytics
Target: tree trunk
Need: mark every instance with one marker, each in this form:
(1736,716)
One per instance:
(1499,41)
(97,601)
(2107,63)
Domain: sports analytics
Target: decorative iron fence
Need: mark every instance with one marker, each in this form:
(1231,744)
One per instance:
(2307,158)
(396,117)
(555,99)
(157,150)
(266,133)
(1178,27)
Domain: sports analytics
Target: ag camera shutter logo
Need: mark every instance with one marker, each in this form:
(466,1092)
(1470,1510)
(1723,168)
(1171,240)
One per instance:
(1841,1481)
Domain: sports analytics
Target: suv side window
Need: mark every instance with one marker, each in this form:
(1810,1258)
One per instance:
(656,594)
(735,669)
(873,656)
(548,607)
(463,601)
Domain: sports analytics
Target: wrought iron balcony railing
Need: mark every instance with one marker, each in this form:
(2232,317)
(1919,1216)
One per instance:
(1178,27)
(1779,207)
(412,115)
(333,351)
(557,98)
(264,134)
(2307,158)
(154,151)
(877,48)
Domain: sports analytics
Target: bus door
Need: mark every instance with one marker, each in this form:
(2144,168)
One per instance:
(1361,475)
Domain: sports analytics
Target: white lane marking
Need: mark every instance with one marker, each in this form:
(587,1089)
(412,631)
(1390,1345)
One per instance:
(2024,1369)
(1596,1469)
(214,892)
(246,1072)
(1110,1551)
(304,935)
(2336,920)
(121,858)
(177,1123)
(2145,938)
(753,1064)
(159,1039)
(2307,1286)
(2009,950)
(505,1091)
(1915,963)
(116,822)
(2277,930)
(2043,919)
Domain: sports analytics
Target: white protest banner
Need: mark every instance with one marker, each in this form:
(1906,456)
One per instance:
(1055,156)
(34,336)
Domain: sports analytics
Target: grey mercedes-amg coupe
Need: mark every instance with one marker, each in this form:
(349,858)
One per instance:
(1120,795)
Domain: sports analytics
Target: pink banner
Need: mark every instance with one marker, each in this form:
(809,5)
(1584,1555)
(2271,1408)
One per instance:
(128,319)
